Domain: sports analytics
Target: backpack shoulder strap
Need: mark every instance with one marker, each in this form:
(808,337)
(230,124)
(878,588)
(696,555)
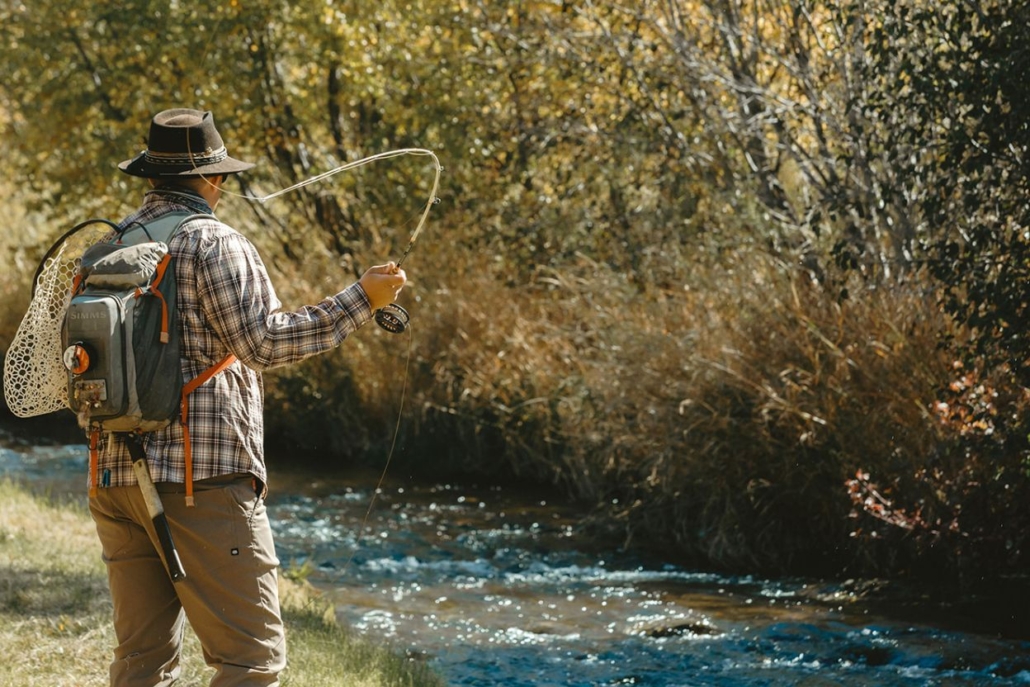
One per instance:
(161,228)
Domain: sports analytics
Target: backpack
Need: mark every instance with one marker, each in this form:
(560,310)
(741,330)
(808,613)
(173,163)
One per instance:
(121,337)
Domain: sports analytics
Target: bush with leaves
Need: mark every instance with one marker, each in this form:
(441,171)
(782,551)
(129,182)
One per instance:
(953,105)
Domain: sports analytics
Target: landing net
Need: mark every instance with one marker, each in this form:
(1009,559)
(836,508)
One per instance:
(35,380)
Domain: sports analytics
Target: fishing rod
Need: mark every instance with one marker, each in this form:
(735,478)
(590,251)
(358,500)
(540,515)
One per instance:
(392,318)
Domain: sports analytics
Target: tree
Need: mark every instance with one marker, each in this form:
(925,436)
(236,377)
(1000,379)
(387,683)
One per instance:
(959,135)
(768,101)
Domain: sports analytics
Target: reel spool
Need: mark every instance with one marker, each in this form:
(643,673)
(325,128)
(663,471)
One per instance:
(393,318)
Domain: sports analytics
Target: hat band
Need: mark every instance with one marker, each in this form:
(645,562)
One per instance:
(206,158)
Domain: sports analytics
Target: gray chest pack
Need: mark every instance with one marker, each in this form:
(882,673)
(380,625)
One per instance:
(122,349)
(122,340)
(121,333)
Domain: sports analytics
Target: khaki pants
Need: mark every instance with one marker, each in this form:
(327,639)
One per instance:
(230,594)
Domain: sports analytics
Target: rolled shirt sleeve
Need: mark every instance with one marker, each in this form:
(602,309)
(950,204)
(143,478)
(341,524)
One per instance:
(240,304)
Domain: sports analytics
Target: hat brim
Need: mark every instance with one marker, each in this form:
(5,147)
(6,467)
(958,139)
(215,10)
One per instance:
(140,167)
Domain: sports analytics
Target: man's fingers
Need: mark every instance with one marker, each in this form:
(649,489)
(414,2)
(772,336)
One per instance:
(389,268)
(383,284)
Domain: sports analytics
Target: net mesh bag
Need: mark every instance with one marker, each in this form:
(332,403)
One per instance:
(35,380)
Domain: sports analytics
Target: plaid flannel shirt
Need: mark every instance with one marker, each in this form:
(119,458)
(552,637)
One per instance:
(227,305)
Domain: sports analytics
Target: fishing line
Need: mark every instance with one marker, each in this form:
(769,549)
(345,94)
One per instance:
(393,318)
(438,169)
(389,456)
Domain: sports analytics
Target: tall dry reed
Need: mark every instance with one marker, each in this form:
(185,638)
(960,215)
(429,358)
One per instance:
(720,419)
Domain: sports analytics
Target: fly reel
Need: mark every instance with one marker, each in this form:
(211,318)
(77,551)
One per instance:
(393,318)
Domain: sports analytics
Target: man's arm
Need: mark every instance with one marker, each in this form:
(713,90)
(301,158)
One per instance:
(240,304)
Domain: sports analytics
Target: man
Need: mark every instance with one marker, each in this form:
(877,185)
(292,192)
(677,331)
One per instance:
(227,305)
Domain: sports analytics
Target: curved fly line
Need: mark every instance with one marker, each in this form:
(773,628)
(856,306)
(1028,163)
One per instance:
(393,318)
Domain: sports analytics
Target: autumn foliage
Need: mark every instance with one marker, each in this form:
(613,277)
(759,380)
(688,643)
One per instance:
(748,278)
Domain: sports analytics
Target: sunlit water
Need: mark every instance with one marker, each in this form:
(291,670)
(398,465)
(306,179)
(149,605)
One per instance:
(493,587)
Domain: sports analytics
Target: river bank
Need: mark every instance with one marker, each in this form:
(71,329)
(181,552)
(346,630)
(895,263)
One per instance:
(55,626)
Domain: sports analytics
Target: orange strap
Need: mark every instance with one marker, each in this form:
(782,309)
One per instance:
(94,460)
(189,461)
(155,289)
(185,413)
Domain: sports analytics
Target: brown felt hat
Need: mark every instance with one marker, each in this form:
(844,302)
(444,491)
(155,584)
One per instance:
(183,143)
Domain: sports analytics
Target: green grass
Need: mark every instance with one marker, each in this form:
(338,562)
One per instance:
(55,627)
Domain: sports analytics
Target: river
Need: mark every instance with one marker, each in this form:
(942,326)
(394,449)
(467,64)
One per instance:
(495,586)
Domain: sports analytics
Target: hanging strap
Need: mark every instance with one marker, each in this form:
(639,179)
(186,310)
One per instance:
(94,459)
(188,389)
(155,289)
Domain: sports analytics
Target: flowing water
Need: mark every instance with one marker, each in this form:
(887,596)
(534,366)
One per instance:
(493,586)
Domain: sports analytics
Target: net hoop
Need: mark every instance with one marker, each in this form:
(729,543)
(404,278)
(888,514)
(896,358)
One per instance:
(35,379)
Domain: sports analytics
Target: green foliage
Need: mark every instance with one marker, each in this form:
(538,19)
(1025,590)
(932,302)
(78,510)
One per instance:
(963,143)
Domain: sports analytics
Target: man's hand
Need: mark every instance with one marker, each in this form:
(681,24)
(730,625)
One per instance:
(382,284)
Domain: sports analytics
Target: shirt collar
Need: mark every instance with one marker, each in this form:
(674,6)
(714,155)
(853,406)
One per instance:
(178,196)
